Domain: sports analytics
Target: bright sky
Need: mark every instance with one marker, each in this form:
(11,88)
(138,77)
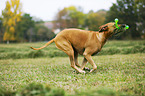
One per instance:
(47,9)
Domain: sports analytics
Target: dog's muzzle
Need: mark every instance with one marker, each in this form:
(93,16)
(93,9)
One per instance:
(123,25)
(121,29)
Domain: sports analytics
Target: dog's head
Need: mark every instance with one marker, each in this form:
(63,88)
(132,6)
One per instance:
(111,29)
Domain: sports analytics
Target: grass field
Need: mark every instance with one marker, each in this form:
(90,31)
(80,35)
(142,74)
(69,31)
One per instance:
(18,51)
(120,72)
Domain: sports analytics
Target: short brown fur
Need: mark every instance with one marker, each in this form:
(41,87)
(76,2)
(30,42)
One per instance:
(86,43)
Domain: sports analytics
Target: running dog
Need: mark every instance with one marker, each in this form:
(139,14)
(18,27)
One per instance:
(87,43)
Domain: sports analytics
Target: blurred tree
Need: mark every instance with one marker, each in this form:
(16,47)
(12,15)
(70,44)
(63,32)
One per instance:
(11,15)
(37,20)
(127,12)
(103,13)
(140,4)
(30,30)
(43,33)
(95,19)
(1,30)
(31,35)
(23,26)
(69,17)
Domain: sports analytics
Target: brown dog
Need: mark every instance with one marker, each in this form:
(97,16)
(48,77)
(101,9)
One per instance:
(86,43)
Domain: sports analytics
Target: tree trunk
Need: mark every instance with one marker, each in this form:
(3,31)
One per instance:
(8,42)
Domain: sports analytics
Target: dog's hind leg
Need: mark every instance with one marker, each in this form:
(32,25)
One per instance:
(74,66)
(67,48)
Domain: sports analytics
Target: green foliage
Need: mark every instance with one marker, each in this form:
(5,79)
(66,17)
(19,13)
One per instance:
(141,14)
(70,17)
(43,33)
(30,30)
(128,12)
(11,16)
(23,27)
(95,19)
(1,30)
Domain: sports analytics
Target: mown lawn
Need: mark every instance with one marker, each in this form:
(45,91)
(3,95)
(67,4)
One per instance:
(118,74)
(18,51)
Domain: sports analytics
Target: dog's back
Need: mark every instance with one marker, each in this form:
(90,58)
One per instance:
(78,38)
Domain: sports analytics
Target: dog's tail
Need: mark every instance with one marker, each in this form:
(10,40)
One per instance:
(44,45)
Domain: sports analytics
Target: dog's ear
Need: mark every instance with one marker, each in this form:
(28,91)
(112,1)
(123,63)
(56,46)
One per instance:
(103,28)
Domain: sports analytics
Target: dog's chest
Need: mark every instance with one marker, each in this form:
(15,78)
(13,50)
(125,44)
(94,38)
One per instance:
(95,53)
(97,49)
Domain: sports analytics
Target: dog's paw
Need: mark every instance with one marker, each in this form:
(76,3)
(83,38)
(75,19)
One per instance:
(79,72)
(86,69)
(92,70)
(83,72)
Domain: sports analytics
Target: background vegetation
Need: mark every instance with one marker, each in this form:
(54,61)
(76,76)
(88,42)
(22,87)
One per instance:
(17,51)
(21,27)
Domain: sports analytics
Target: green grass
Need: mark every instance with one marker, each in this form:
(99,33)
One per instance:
(123,73)
(17,51)
(117,75)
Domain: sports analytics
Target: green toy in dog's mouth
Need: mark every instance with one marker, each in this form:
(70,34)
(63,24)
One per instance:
(116,21)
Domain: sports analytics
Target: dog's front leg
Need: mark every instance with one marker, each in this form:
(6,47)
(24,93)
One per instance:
(90,60)
(83,64)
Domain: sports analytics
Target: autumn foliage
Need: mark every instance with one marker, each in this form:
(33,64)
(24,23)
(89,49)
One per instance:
(11,15)
(74,17)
